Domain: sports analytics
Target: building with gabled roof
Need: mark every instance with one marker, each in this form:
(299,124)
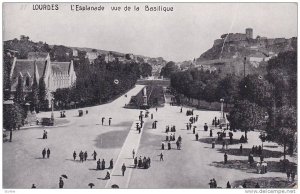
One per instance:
(55,74)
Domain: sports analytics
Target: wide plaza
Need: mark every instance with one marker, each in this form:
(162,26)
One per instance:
(189,167)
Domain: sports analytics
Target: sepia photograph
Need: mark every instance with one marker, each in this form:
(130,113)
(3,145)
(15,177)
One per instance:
(149,96)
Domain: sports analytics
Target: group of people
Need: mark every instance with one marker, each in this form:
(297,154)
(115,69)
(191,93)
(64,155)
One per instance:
(82,155)
(215,122)
(62,114)
(257,150)
(261,167)
(212,183)
(154,125)
(189,112)
(172,129)
(103,119)
(194,119)
(44,152)
(45,134)
(171,137)
(142,163)
(290,175)
(101,164)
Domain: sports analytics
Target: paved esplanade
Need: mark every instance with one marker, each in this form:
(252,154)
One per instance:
(23,164)
(187,168)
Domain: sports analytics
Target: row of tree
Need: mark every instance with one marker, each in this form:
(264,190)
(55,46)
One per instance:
(267,101)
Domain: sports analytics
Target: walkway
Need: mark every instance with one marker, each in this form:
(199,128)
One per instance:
(125,157)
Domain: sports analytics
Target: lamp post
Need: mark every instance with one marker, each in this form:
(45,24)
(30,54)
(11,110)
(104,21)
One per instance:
(28,111)
(52,107)
(222,109)
(9,103)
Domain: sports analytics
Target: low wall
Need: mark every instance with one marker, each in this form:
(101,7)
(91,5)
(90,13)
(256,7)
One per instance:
(201,104)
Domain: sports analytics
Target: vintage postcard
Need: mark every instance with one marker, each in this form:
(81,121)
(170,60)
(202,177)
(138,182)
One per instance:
(149,96)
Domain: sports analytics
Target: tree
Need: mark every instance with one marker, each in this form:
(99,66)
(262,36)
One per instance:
(282,73)
(13,117)
(283,127)
(169,69)
(246,116)
(227,88)
(256,89)
(210,92)
(19,95)
(42,94)
(145,70)
(33,96)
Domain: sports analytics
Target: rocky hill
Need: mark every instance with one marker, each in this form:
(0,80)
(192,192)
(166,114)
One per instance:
(229,53)
(21,47)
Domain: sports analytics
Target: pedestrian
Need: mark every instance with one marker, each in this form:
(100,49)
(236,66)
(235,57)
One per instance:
(74,155)
(139,128)
(167,138)
(162,145)
(293,174)
(151,115)
(210,133)
(86,112)
(107,175)
(44,152)
(133,153)
(205,127)
(85,155)
(123,169)
(213,143)
(140,163)
(135,162)
(61,183)
(228,185)
(33,186)
(95,155)
(197,136)
(103,164)
(109,121)
(211,184)
(187,126)
(225,158)
(241,148)
(111,164)
(149,161)
(244,185)
(48,153)
(288,174)
(181,110)
(261,158)
(156,109)
(81,156)
(169,145)
(102,120)
(194,129)
(161,157)
(214,183)
(98,164)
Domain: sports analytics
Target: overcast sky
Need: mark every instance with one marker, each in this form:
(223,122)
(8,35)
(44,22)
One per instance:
(180,35)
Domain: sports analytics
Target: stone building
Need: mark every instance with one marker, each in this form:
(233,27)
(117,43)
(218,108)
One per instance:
(55,74)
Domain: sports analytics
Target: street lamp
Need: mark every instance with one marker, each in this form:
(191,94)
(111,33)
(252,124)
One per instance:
(222,110)
(52,107)
(9,102)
